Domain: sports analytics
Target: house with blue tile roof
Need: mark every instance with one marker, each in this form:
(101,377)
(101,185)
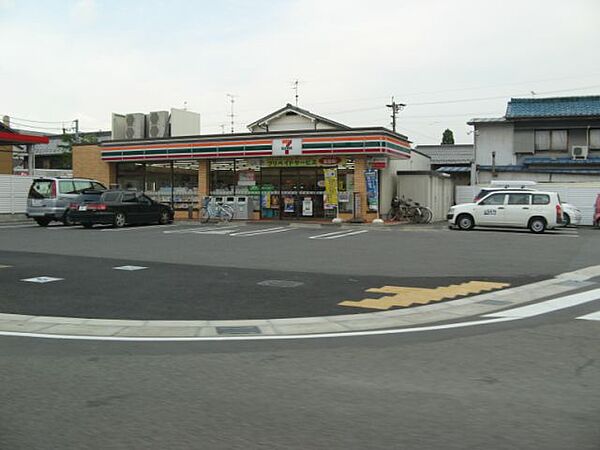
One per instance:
(553,139)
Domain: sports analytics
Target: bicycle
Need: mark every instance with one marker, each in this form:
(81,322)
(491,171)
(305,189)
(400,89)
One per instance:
(405,210)
(210,210)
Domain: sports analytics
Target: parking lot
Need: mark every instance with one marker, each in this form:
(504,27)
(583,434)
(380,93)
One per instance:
(191,271)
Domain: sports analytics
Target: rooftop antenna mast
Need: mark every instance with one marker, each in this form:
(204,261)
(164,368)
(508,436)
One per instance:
(295,85)
(231,98)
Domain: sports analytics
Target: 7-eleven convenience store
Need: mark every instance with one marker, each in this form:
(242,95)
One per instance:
(292,165)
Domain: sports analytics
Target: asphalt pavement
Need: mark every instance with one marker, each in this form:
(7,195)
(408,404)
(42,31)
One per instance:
(532,384)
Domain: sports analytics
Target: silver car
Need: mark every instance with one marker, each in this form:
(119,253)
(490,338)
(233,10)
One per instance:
(49,198)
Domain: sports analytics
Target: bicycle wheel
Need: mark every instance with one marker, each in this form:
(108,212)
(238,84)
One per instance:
(414,215)
(204,214)
(427,214)
(391,215)
(226,213)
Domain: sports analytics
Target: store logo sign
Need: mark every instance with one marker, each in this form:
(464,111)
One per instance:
(287,147)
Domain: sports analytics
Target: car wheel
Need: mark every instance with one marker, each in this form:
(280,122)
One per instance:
(67,222)
(87,225)
(164,218)
(465,222)
(566,219)
(42,222)
(537,225)
(120,220)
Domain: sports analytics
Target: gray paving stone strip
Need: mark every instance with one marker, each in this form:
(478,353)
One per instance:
(398,318)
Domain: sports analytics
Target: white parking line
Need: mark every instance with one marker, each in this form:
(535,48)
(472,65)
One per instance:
(200,229)
(261,232)
(592,316)
(145,227)
(23,225)
(549,305)
(338,234)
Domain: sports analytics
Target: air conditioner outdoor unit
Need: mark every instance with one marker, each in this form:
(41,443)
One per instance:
(157,124)
(579,152)
(135,125)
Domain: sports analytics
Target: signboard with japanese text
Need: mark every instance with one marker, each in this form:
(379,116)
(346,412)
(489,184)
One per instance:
(372,183)
(331,188)
(325,161)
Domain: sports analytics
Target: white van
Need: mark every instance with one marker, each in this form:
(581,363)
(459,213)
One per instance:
(536,210)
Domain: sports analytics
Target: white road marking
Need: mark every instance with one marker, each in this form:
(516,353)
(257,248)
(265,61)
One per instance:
(29,225)
(262,337)
(42,279)
(261,232)
(338,234)
(592,316)
(220,230)
(549,305)
(148,227)
(189,230)
(130,268)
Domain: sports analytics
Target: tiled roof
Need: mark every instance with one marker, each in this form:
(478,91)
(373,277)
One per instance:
(448,154)
(584,106)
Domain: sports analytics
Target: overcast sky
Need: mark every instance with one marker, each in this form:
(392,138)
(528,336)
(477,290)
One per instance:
(449,61)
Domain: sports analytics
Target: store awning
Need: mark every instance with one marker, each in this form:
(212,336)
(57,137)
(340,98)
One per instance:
(13,138)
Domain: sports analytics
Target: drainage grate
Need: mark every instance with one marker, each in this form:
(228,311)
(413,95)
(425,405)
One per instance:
(280,283)
(495,302)
(238,330)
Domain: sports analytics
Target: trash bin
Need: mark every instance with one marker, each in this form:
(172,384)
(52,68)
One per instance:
(242,208)
(230,201)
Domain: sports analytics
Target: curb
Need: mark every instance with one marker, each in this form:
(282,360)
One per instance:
(47,326)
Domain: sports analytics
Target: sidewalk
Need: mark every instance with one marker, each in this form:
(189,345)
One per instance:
(13,218)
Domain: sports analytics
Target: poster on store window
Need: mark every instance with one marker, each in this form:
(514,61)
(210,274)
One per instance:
(288,204)
(274,203)
(372,190)
(307,206)
(331,188)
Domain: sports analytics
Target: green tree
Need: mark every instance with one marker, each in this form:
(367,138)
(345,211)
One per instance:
(448,137)
(67,145)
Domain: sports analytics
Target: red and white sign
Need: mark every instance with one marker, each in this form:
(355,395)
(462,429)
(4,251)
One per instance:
(378,162)
(287,147)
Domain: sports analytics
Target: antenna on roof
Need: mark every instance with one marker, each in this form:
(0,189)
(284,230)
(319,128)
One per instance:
(296,88)
(231,98)
(533,93)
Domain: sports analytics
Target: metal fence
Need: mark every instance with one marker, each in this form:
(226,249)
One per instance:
(13,193)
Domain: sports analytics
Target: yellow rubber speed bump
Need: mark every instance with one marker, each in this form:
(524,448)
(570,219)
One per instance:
(408,296)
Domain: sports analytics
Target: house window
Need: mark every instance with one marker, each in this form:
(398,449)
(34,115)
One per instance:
(595,139)
(551,140)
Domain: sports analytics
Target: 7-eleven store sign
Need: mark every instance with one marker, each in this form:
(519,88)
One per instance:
(285,147)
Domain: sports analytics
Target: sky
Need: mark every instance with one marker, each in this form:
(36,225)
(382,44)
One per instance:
(447,61)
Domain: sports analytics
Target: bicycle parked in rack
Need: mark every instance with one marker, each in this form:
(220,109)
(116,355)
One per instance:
(406,210)
(214,210)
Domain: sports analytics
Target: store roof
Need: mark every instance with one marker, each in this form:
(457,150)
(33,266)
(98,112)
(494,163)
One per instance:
(580,106)
(448,154)
(289,108)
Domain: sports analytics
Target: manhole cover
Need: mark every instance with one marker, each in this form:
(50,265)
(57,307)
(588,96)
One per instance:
(238,330)
(280,283)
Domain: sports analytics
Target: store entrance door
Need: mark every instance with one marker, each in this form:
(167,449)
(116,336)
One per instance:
(297,193)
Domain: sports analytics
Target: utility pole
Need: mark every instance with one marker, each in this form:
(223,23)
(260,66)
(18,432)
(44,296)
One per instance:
(396,108)
(76,122)
(231,98)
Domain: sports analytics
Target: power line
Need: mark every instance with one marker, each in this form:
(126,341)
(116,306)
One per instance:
(38,121)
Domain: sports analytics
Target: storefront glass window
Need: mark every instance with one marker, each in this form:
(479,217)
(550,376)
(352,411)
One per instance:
(158,181)
(222,177)
(130,176)
(185,185)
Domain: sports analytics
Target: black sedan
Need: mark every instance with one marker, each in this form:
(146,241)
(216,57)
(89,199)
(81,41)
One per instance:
(119,208)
